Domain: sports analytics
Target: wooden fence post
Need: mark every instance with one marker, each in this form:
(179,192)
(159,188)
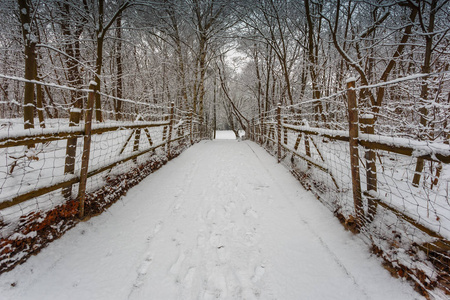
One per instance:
(354,155)
(279,131)
(307,149)
(256,130)
(252,130)
(164,133)
(307,145)
(191,116)
(263,129)
(71,150)
(169,137)
(86,149)
(285,135)
(371,167)
(137,139)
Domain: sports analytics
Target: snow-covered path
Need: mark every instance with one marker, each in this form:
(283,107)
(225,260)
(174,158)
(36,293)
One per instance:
(221,221)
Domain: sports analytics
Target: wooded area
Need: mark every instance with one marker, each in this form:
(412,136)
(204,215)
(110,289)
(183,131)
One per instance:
(248,55)
(354,95)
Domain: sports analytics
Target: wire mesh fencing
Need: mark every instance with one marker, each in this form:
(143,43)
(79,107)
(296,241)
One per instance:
(69,155)
(383,170)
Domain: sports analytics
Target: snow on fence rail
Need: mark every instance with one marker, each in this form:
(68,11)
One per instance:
(72,165)
(363,164)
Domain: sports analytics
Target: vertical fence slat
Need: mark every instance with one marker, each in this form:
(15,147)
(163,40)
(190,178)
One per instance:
(137,139)
(191,116)
(371,167)
(263,130)
(354,155)
(169,136)
(279,131)
(86,150)
(252,130)
(307,149)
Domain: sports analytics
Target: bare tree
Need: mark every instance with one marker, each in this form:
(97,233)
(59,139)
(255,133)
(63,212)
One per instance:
(100,33)
(29,38)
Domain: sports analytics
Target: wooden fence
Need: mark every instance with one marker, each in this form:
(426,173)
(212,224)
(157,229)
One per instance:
(351,171)
(188,129)
(53,176)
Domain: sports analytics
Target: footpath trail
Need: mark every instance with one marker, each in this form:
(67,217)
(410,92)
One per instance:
(221,221)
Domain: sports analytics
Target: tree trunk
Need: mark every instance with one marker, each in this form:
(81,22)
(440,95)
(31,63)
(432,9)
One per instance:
(215,109)
(312,57)
(101,32)
(30,63)
(119,86)
(424,89)
(181,73)
(72,58)
(99,62)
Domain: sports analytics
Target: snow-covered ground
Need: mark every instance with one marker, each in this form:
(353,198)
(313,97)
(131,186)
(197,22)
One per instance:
(228,134)
(221,221)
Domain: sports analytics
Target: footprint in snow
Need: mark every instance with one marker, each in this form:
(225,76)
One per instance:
(210,214)
(109,253)
(229,226)
(214,240)
(223,254)
(144,266)
(189,278)
(76,283)
(143,269)
(200,218)
(201,241)
(175,269)
(249,294)
(217,287)
(176,208)
(250,238)
(260,187)
(157,227)
(259,272)
(251,212)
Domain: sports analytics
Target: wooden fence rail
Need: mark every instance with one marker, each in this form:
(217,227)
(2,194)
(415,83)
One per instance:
(390,211)
(36,136)
(262,131)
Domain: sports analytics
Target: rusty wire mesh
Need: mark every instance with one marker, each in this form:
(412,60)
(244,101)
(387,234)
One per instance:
(406,223)
(117,146)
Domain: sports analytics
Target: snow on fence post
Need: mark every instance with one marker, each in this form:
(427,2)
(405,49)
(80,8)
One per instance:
(86,148)
(368,121)
(279,131)
(169,136)
(354,155)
